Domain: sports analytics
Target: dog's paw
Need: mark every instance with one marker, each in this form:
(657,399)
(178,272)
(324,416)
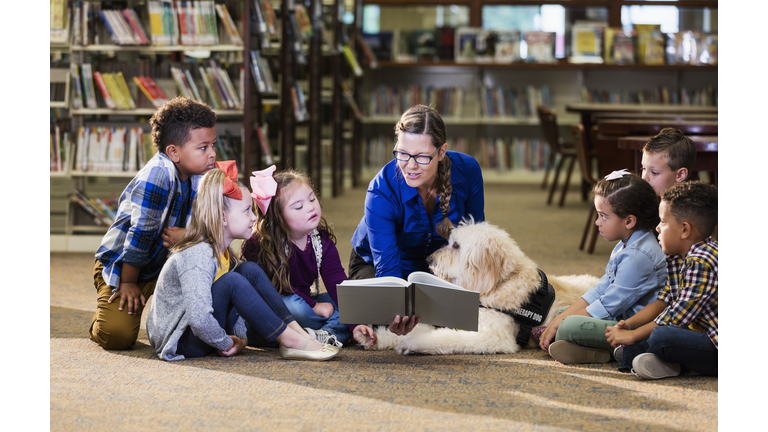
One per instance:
(365,341)
(403,349)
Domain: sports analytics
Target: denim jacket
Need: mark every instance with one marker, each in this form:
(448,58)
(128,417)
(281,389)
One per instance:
(634,275)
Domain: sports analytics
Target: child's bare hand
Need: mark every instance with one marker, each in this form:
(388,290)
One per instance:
(618,337)
(548,336)
(404,326)
(324,310)
(623,325)
(172,235)
(130,295)
(237,346)
(364,335)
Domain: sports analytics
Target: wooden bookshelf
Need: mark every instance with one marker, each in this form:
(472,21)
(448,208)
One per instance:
(143,112)
(552,66)
(155,48)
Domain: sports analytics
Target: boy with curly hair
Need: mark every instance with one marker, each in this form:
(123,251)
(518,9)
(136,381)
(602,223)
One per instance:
(153,212)
(678,332)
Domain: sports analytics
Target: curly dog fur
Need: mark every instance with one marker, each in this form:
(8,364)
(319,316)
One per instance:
(484,258)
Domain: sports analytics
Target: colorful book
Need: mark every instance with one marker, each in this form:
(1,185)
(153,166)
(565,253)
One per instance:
(541,47)
(268,158)
(350,56)
(507,46)
(104,90)
(229,25)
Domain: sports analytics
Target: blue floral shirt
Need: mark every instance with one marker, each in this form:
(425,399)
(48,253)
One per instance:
(634,275)
(396,235)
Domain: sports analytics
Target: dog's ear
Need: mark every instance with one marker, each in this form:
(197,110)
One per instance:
(485,265)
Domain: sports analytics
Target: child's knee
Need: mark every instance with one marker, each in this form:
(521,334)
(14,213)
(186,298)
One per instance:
(113,336)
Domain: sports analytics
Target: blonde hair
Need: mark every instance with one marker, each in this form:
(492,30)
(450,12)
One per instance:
(275,247)
(208,212)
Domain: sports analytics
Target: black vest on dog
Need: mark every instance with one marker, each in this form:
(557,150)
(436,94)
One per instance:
(533,313)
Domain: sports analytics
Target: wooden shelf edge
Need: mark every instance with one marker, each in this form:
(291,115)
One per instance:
(383,64)
(156,48)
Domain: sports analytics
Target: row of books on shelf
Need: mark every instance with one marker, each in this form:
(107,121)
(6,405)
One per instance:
(58,149)
(187,23)
(591,42)
(706,96)
(500,153)
(103,212)
(262,75)
(114,92)
(513,102)
(221,91)
(111,149)
(113,89)
(394,100)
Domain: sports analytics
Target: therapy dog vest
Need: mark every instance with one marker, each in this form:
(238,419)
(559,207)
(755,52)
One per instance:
(534,312)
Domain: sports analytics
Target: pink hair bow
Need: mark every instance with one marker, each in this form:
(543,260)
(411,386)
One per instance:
(264,187)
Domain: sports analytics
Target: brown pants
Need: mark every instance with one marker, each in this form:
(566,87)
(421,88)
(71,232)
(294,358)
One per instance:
(111,328)
(359,269)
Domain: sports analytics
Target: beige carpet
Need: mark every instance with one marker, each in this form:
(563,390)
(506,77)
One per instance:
(94,389)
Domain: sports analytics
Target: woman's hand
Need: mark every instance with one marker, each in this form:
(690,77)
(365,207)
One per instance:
(324,310)
(404,326)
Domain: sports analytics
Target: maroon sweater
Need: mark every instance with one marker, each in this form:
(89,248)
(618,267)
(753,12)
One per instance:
(303,267)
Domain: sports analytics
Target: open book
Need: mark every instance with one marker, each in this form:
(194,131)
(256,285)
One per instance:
(433,300)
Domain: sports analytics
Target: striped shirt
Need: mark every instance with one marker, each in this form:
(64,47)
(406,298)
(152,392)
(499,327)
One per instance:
(150,202)
(691,293)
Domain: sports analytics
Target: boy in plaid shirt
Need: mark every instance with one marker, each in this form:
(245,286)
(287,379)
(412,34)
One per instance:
(678,332)
(152,215)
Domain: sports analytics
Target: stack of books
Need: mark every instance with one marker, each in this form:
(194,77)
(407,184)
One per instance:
(59,21)
(114,90)
(124,27)
(59,150)
(185,84)
(103,212)
(150,89)
(706,96)
(229,24)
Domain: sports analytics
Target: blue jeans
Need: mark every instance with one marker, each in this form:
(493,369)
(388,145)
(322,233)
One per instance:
(306,317)
(693,350)
(245,291)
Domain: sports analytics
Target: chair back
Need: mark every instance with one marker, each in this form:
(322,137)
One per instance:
(609,156)
(583,153)
(548,121)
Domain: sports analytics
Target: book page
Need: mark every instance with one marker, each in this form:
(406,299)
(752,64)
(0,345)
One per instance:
(379,281)
(430,279)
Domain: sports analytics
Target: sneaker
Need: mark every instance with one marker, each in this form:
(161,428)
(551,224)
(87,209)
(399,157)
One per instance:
(570,353)
(324,337)
(651,366)
(618,354)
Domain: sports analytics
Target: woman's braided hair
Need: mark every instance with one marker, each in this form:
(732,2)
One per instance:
(424,120)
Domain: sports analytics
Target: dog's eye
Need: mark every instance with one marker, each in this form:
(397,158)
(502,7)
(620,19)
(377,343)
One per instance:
(455,245)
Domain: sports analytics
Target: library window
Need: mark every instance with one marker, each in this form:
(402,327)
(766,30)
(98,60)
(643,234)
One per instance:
(378,18)
(549,18)
(672,19)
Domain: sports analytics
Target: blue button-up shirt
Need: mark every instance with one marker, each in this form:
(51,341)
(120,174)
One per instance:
(396,235)
(634,275)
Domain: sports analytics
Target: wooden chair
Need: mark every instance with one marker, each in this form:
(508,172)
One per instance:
(557,146)
(585,156)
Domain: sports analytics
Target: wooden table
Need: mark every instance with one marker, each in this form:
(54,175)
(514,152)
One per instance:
(654,126)
(706,152)
(586,110)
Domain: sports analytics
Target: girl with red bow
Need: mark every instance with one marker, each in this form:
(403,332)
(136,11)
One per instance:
(295,246)
(203,293)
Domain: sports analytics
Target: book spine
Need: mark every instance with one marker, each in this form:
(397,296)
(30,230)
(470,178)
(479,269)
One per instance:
(136,24)
(192,85)
(144,90)
(113,90)
(265,146)
(123,86)
(115,39)
(230,88)
(221,85)
(260,84)
(211,95)
(104,91)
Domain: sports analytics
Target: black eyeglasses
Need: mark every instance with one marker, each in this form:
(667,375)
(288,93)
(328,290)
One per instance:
(420,159)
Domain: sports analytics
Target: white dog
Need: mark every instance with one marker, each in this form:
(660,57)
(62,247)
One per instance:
(484,258)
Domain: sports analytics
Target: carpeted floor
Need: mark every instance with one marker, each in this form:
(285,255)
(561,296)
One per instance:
(94,389)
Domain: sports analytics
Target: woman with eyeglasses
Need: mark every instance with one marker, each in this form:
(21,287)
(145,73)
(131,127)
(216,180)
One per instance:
(414,202)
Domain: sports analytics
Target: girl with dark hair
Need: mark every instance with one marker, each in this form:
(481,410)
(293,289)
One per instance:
(627,212)
(414,202)
(295,246)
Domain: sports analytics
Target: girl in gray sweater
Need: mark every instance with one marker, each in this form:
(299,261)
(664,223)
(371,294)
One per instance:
(202,290)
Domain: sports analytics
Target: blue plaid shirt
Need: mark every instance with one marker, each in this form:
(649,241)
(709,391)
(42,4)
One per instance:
(150,202)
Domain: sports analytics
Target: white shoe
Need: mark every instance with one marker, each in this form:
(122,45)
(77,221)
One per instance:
(651,366)
(324,337)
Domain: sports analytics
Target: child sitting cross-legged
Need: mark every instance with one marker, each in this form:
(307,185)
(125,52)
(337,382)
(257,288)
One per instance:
(678,331)
(627,210)
(203,293)
(295,246)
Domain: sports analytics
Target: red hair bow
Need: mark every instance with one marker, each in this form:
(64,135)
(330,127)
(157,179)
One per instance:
(231,189)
